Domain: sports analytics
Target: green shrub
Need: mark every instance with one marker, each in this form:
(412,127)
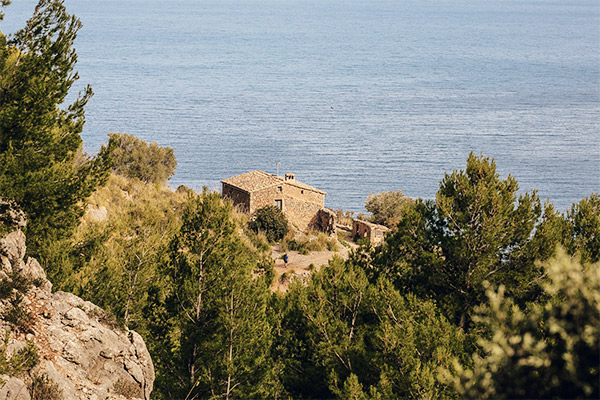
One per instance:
(12,289)
(321,243)
(135,158)
(318,243)
(386,207)
(186,190)
(304,246)
(22,360)
(332,245)
(11,217)
(271,221)
(289,245)
(19,316)
(294,245)
(258,240)
(14,281)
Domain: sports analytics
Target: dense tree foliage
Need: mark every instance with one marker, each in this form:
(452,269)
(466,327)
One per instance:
(271,221)
(218,334)
(386,207)
(134,158)
(339,333)
(583,229)
(189,281)
(476,230)
(551,350)
(354,330)
(42,167)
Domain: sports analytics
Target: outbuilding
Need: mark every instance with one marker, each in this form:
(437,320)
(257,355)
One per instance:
(374,232)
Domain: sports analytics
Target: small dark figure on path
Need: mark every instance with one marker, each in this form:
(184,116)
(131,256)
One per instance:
(285,258)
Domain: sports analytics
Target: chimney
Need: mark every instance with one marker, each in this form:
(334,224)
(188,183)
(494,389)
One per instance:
(290,177)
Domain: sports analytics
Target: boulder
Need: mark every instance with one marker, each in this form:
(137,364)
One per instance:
(12,249)
(94,214)
(13,389)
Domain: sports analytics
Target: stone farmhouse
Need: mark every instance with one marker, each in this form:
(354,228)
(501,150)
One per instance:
(299,202)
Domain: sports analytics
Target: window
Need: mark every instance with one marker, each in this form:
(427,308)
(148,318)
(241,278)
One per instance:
(279,188)
(302,192)
(279,204)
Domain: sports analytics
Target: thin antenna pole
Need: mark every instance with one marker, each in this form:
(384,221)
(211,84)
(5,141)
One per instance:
(277,163)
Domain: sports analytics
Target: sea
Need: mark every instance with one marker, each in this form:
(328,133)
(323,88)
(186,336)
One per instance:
(354,96)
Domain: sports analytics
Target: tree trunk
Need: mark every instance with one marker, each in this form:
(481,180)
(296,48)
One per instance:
(230,347)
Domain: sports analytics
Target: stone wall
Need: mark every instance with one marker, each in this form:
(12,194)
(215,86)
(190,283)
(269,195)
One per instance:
(239,198)
(299,205)
(299,212)
(290,190)
(324,221)
(375,233)
(265,197)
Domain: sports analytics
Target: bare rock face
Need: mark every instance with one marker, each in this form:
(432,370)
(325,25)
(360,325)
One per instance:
(86,355)
(82,353)
(96,214)
(13,388)
(12,251)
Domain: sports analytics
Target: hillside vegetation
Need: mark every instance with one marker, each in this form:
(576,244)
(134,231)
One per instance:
(418,316)
(482,292)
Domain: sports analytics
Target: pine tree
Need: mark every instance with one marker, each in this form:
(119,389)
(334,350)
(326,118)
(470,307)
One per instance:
(42,167)
(472,232)
(219,333)
(583,232)
(343,336)
(322,331)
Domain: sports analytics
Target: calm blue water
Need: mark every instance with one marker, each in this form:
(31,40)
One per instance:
(353,96)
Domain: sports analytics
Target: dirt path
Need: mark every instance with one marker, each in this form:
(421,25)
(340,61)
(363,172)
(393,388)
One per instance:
(298,264)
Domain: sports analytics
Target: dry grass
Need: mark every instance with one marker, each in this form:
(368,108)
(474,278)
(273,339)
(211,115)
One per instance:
(306,243)
(43,388)
(128,389)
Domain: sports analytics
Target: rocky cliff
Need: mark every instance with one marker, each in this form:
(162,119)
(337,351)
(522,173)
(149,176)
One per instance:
(56,345)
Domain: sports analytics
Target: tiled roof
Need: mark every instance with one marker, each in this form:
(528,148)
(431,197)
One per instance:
(253,181)
(257,180)
(303,186)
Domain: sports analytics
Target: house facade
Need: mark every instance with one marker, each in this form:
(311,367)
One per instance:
(252,190)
